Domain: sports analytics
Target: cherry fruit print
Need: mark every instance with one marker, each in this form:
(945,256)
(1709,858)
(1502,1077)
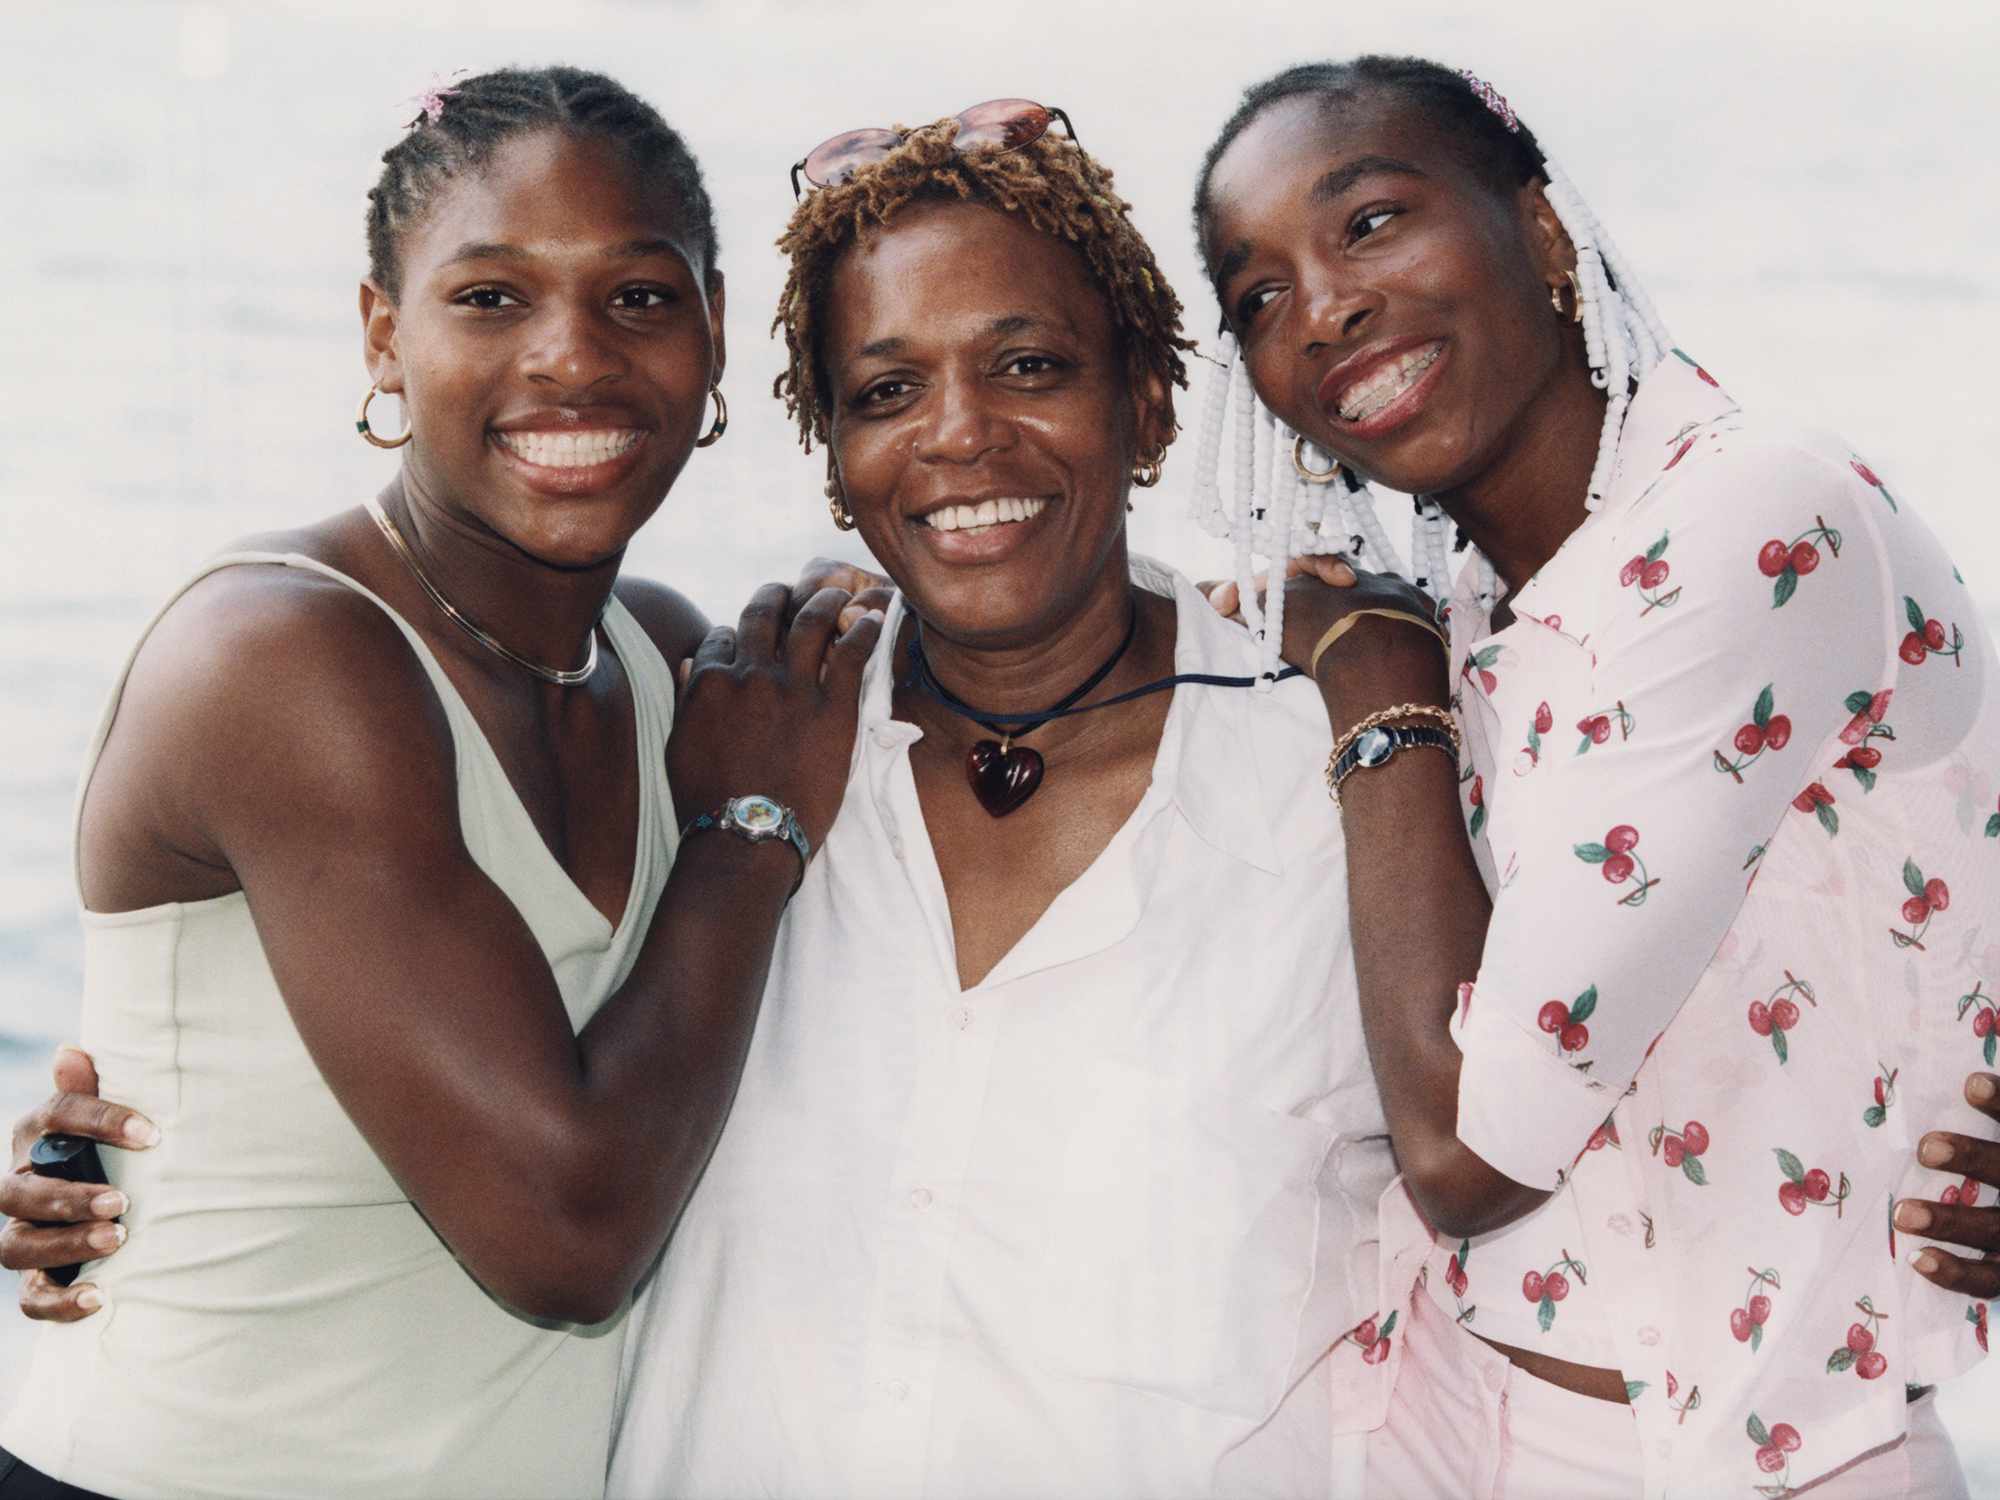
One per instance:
(1926,899)
(1746,1323)
(1373,1341)
(1459,1280)
(1858,1353)
(1803,1189)
(1976,1316)
(1475,798)
(1566,1024)
(1993,825)
(1682,1406)
(1596,727)
(1775,1446)
(1861,758)
(1962,1194)
(1543,721)
(1619,864)
(1785,563)
(1779,1012)
(1479,667)
(1928,637)
(1682,1148)
(1985,1019)
(1546,1288)
(1885,1095)
(1818,801)
(1763,731)
(1649,570)
(1868,478)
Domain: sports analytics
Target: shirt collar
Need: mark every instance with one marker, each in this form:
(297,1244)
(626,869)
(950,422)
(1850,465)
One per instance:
(1210,764)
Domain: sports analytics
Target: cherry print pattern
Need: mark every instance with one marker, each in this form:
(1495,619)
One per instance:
(1764,731)
(1785,563)
(1985,1019)
(1546,1288)
(1700,374)
(1859,1353)
(1479,666)
(1976,1316)
(1775,1446)
(1965,1194)
(1371,1340)
(1804,1189)
(1862,758)
(1650,569)
(1746,1323)
(1927,637)
(1619,864)
(1596,727)
(1682,1408)
(1779,1012)
(1885,1095)
(1682,1148)
(1475,798)
(1543,721)
(1566,1023)
(1993,825)
(1868,478)
(1818,801)
(1927,899)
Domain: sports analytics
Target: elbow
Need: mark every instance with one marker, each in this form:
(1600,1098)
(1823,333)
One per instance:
(1461,1197)
(559,1281)
(571,1253)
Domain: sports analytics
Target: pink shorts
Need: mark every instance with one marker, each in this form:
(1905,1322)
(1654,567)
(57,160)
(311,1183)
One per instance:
(1464,1424)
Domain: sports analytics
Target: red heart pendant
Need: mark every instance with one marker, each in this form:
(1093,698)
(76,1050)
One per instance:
(1002,779)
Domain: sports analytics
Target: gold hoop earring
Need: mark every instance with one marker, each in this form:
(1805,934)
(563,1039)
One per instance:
(1311,476)
(1575,312)
(361,423)
(721,423)
(836,506)
(1146,473)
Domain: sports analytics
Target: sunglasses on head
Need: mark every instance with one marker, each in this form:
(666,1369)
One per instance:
(1002,124)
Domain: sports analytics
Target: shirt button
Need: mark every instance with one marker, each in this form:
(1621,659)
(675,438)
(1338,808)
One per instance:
(962,1017)
(897,1389)
(921,1198)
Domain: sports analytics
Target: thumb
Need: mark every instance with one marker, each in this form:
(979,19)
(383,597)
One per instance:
(73,1070)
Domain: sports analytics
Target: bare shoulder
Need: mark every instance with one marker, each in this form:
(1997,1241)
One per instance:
(672,619)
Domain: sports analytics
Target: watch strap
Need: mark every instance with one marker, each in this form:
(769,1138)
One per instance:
(1399,737)
(788,830)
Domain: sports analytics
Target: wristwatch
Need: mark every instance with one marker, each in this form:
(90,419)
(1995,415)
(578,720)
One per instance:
(759,820)
(1377,746)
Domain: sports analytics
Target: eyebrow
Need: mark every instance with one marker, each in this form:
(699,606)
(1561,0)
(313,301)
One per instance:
(1000,327)
(495,250)
(1326,189)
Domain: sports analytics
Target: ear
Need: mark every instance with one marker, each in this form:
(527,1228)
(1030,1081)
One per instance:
(1153,425)
(378,339)
(717,299)
(1548,242)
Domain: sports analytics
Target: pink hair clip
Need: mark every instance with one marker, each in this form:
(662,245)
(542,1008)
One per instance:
(1491,98)
(430,103)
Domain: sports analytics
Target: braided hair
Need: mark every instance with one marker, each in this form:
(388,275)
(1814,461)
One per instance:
(462,125)
(1055,185)
(1279,513)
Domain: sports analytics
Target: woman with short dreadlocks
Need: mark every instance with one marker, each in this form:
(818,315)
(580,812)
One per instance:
(1656,1047)
(1055,1164)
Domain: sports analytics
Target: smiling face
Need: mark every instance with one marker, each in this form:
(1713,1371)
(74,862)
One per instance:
(554,341)
(985,419)
(1392,303)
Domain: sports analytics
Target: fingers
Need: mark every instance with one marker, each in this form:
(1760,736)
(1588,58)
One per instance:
(832,573)
(1328,567)
(1975,1278)
(757,630)
(27,1247)
(73,1070)
(1955,1223)
(869,598)
(45,1302)
(98,1120)
(1225,597)
(1982,1092)
(717,649)
(1962,1154)
(847,656)
(50,1200)
(806,643)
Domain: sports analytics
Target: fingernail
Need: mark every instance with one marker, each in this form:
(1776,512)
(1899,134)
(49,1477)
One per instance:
(106,1236)
(141,1132)
(72,1047)
(1979,1088)
(1912,1215)
(1933,1152)
(109,1205)
(1924,1261)
(876,615)
(90,1299)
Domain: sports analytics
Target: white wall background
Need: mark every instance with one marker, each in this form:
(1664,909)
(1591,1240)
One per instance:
(1808,187)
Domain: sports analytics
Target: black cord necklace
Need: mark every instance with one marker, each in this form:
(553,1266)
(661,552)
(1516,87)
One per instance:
(1003,775)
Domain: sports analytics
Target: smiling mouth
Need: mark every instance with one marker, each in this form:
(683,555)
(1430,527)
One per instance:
(571,450)
(1370,394)
(987,515)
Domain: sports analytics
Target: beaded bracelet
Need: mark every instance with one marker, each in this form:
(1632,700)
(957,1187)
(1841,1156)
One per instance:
(1440,716)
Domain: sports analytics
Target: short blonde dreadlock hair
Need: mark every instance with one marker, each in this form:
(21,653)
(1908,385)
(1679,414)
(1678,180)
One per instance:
(1058,187)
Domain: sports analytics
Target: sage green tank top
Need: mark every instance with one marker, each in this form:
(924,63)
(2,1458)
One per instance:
(282,1320)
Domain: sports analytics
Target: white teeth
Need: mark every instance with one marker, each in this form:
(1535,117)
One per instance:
(1366,397)
(570,450)
(986,514)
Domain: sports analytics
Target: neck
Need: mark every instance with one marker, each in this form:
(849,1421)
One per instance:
(1524,505)
(1029,677)
(540,611)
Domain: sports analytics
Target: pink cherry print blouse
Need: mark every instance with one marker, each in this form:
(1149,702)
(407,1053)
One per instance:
(1731,779)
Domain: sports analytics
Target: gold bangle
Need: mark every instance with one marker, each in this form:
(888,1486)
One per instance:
(1341,626)
(1441,716)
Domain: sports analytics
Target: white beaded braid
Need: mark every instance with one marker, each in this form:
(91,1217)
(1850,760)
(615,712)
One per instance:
(1272,513)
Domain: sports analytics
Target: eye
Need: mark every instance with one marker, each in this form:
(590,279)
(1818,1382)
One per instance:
(486,298)
(1369,220)
(642,298)
(1251,303)
(883,392)
(1031,364)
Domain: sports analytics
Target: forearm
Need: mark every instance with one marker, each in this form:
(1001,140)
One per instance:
(1419,913)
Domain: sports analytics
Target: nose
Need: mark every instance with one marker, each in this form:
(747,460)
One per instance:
(574,347)
(965,423)
(1336,311)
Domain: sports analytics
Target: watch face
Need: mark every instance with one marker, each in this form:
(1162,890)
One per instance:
(1373,747)
(757,815)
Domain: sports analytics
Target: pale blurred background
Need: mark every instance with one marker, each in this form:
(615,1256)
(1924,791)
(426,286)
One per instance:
(1808,188)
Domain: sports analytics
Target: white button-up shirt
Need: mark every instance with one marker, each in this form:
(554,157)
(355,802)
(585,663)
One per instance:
(1104,1223)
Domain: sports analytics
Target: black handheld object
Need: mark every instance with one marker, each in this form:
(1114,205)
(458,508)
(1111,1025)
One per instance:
(73,1159)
